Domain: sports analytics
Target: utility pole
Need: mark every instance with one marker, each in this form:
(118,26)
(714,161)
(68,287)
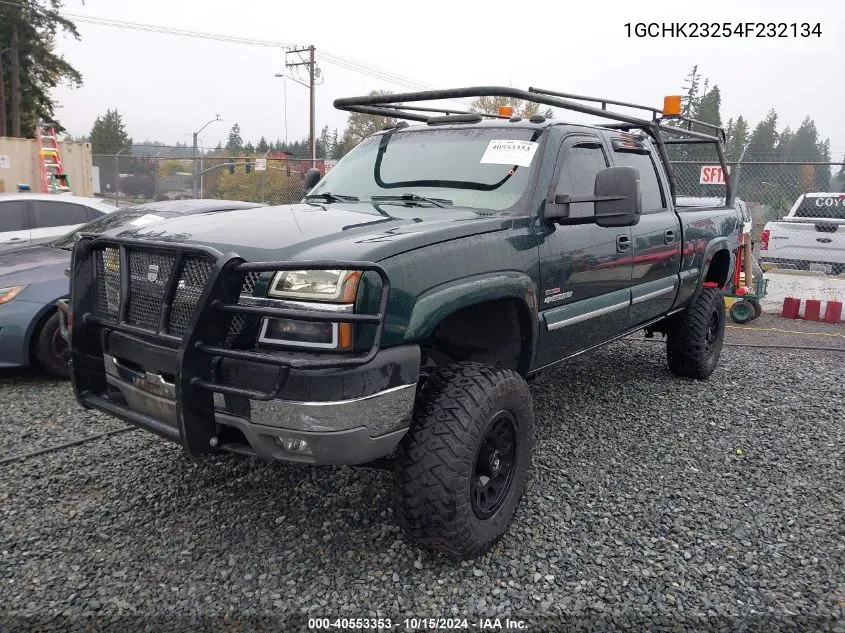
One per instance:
(312,73)
(195,168)
(313,126)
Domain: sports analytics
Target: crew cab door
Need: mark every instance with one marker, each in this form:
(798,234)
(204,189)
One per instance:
(585,269)
(657,236)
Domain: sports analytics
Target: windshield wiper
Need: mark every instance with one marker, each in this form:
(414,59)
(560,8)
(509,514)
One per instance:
(330,197)
(412,197)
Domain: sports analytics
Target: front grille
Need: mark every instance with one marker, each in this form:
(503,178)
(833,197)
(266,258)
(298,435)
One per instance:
(238,322)
(250,280)
(195,274)
(107,272)
(149,272)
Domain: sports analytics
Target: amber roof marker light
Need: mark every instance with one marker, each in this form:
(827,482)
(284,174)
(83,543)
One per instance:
(672,105)
(506,110)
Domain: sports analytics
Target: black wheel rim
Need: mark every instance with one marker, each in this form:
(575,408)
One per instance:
(712,332)
(60,348)
(495,464)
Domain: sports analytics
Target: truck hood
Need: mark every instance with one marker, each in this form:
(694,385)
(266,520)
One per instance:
(357,231)
(32,264)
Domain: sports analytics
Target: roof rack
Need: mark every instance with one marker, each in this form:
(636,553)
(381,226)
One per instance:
(656,125)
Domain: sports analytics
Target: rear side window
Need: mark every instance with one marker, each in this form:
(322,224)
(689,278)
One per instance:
(653,200)
(48,213)
(13,216)
(832,207)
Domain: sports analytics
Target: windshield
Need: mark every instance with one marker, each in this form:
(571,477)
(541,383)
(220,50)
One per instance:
(483,168)
(106,222)
(832,207)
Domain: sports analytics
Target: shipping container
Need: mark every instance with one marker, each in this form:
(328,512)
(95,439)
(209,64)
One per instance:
(19,165)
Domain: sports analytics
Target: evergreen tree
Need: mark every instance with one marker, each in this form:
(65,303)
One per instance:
(108,135)
(764,138)
(689,100)
(706,110)
(337,149)
(708,107)
(783,146)
(29,67)
(737,137)
(235,142)
(823,172)
(324,143)
(262,146)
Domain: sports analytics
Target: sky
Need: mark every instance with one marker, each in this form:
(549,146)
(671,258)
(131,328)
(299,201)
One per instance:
(167,86)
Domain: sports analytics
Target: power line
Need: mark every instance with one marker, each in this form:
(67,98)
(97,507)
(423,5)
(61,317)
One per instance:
(333,58)
(166,30)
(378,74)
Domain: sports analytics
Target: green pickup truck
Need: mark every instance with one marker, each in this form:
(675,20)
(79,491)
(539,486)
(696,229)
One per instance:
(392,317)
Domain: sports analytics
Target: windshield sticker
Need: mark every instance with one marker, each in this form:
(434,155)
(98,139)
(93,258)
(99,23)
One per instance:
(146,219)
(505,152)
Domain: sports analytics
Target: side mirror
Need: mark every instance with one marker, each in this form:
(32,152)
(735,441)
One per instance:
(312,177)
(617,198)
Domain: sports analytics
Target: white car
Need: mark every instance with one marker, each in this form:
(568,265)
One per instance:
(810,237)
(36,217)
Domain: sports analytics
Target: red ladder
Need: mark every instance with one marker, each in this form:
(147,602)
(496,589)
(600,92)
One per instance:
(53,176)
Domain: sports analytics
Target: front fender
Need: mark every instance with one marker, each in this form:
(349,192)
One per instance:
(441,301)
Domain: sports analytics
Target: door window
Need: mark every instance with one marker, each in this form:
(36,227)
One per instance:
(49,213)
(578,175)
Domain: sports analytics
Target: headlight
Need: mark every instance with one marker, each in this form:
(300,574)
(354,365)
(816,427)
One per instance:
(7,294)
(336,286)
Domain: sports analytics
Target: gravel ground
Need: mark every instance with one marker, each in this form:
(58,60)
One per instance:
(655,504)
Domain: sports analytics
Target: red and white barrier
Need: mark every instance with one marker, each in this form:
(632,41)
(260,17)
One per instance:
(813,310)
(833,313)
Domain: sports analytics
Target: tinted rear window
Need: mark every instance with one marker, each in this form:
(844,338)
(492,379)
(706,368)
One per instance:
(822,207)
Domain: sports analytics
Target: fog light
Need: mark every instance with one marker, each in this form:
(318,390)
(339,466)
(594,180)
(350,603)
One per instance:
(293,445)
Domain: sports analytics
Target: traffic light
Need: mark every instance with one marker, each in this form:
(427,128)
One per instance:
(248,166)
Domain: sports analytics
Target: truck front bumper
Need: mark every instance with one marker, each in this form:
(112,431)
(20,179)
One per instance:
(150,326)
(365,413)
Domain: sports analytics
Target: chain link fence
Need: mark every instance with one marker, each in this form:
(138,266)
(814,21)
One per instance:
(271,180)
(811,239)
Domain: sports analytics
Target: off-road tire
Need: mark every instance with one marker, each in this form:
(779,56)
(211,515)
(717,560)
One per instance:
(46,349)
(436,469)
(694,337)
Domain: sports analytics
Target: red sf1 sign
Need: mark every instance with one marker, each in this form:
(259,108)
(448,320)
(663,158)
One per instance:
(712,175)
